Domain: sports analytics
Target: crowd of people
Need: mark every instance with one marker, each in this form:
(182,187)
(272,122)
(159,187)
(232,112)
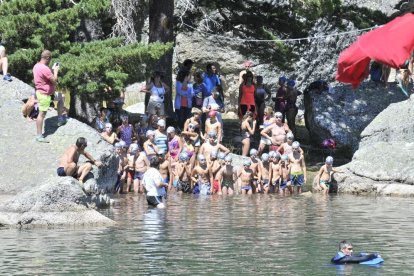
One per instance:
(189,156)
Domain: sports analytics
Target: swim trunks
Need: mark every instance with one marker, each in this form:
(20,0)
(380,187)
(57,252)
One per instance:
(265,182)
(205,188)
(227,183)
(183,186)
(216,186)
(247,188)
(297,179)
(61,171)
(138,175)
(154,200)
(274,147)
(43,101)
(283,185)
(324,182)
(130,173)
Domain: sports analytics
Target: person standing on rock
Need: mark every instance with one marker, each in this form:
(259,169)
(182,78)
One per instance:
(278,132)
(45,81)
(4,64)
(154,184)
(291,108)
(68,165)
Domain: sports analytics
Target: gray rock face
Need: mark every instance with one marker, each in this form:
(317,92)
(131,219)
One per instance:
(344,114)
(383,162)
(60,200)
(26,163)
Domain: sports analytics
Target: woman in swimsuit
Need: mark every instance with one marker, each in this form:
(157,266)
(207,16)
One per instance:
(246,131)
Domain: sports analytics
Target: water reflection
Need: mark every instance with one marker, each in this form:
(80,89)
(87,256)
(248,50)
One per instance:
(265,234)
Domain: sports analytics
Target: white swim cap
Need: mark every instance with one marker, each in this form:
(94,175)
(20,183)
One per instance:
(221,155)
(284,157)
(247,162)
(201,157)
(228,158)
(329,160)
(123,144)
(295,145)
(290,136)
(149,133)
(133,148)
(170,129)
(161,123)
(184,156)
(118,145)
(278,115)
(265,157)
(108,125)
(212,134)
(253,152)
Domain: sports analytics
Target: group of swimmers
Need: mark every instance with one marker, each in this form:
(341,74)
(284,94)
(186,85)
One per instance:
(191,162)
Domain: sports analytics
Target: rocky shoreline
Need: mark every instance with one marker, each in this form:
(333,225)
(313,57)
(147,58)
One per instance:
(31,191)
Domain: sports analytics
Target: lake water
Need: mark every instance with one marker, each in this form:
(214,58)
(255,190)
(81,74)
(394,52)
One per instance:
(259,234)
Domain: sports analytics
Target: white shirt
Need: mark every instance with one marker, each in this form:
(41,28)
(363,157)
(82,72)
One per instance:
(151,178)
(157,94)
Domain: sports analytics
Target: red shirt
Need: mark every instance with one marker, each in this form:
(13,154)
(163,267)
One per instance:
(42,75)
(247,97)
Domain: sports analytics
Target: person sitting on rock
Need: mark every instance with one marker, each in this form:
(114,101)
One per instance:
(108,135)
(4,64)
(68,165)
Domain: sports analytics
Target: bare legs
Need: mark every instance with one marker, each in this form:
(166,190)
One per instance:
(246,146)
(39,122)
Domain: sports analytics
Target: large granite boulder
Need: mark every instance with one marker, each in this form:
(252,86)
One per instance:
(59,200)
(344,114)
(383,163)
(26,163)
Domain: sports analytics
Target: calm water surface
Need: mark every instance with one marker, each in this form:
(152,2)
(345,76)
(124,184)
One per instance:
(260,234)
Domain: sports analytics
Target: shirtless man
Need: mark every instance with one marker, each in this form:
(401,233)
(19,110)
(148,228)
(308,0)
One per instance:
(165,169)
(182,173)
(324,176)
(108,135)
(120,170)
(141,166)
(215,166)
(255,162)
(202,177)
(212,145)
(274,177)
(277,131)
(130,167)
(68,165)
(297,167)
(245,177)
(284,175)
(227,176)
(264,174)
(213,125)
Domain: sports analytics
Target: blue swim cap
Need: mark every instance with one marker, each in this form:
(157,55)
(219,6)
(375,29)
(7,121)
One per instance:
(291,83)
(282,79)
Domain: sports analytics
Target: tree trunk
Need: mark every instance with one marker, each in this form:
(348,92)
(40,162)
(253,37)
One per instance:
(84,107)
(161,14)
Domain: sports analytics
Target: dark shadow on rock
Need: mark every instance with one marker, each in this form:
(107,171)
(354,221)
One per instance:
(333,188)
(51,125)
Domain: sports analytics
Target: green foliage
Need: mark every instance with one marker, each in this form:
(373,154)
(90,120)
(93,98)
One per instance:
(91,67)
(27,27)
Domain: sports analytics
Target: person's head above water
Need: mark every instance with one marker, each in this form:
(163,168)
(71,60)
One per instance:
(346,247)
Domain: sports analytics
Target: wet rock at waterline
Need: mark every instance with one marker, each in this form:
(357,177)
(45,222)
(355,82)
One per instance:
(58,201)
(384,161)
(26,164)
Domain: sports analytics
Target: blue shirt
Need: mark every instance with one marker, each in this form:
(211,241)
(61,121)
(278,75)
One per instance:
(186,93)
(210,81)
